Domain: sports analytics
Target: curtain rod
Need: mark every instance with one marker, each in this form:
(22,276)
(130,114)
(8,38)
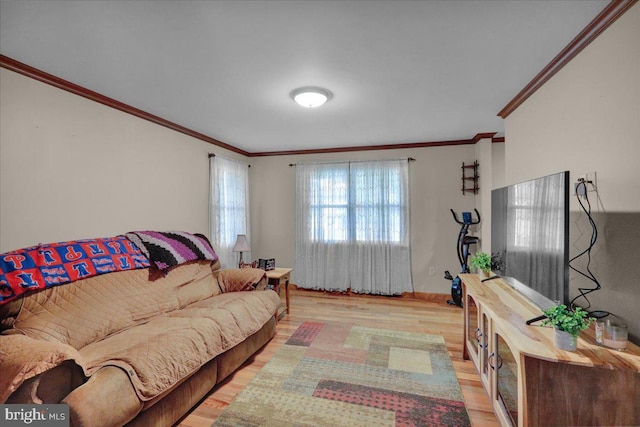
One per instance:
(409,159)
(213,155)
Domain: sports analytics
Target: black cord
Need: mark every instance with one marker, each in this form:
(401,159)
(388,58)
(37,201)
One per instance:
(594,236)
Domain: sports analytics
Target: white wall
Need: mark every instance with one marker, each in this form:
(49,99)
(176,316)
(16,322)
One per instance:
(435,187)
(497,160)
(72,168)
(491,159)
(587,118)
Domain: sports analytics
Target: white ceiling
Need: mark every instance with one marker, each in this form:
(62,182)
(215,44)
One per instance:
(400,71)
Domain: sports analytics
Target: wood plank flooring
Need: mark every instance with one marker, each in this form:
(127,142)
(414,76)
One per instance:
(407,314)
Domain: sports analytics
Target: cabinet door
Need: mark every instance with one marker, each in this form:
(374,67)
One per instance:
(504,367)
(472,329)
(483,343)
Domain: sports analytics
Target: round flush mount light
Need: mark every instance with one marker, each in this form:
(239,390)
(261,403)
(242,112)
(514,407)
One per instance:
(311,96)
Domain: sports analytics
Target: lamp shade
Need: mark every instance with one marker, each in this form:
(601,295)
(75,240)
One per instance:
(242,245)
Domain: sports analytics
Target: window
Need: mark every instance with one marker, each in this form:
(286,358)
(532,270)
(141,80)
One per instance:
(329,204)
(356,203)
(229,207)
(352,228)
(378,204)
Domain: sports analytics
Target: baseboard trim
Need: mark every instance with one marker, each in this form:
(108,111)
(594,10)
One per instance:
(423,296)
(427,296)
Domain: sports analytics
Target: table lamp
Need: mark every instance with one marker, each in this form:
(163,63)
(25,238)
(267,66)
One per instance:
(242,245)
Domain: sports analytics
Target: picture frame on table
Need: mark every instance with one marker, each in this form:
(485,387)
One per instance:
(267,264)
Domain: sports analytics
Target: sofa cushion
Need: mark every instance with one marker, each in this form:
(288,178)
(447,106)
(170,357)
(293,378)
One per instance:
(179,400)
(89,310)
(161,352)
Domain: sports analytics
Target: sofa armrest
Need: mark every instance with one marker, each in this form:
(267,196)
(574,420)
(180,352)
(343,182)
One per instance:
(50,386)
(33,369)
(107,396)
(240,279)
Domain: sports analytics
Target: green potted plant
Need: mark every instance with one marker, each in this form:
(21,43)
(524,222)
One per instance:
(567,325)
(482,261)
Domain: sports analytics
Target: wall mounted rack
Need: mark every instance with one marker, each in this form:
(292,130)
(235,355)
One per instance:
(470,179)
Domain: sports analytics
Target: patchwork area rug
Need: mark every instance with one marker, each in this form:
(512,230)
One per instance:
(334,374)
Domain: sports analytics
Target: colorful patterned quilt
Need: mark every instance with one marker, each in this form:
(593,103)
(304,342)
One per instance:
(166,250)
(44,266)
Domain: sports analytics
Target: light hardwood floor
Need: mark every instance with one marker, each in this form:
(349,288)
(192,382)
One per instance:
(407,314)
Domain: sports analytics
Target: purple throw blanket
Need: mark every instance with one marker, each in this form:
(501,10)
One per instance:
(169,249)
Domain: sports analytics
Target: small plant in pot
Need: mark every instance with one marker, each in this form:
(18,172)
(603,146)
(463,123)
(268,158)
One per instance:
(482,261)
(567,325)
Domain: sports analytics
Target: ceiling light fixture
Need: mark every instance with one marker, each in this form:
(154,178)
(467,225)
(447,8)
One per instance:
(310,96)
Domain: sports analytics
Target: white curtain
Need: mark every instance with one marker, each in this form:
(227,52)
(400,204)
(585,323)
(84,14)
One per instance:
(229,208)
(352,227)
(322,247)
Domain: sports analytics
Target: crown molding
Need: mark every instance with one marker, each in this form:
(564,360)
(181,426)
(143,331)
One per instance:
(34,73)
(50,79)
(473,140)
(363,148)
(608,16)
(614,10)
(485,135)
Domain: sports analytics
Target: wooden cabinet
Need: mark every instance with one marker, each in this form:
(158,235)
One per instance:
(530,382)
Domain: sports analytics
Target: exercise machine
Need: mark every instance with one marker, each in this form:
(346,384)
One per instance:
(463,250)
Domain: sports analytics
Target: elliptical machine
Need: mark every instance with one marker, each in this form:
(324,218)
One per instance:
(462,249)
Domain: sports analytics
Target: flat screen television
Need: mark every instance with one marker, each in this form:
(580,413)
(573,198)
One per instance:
(530,238)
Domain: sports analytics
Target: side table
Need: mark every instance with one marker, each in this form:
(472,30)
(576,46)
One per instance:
(277,277)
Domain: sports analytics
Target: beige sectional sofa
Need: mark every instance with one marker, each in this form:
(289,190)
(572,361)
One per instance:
(123,350)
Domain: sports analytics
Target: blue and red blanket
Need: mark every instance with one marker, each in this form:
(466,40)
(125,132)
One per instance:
(44,266)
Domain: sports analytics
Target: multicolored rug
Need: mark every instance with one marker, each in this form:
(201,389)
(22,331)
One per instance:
(335,374)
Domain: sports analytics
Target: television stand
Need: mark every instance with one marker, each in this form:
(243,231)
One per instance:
(529,381)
